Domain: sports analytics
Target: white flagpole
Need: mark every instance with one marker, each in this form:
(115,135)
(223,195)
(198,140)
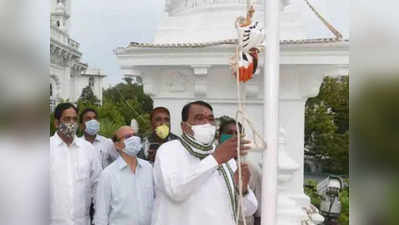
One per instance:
(271,111)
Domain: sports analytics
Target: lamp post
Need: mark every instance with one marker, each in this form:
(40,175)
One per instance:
(330,206)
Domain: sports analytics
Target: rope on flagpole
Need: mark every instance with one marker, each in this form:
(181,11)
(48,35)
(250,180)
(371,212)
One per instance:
(241,114)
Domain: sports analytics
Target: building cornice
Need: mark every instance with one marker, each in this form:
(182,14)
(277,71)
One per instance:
(292,52)
(228,42)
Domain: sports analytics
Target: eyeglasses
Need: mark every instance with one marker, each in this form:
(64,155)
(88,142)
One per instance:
(128,136)
(125,137)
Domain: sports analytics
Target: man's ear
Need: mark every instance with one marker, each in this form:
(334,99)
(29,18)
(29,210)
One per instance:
(186,129)
(56,123)
(182,127)
(119,146)
(82,127)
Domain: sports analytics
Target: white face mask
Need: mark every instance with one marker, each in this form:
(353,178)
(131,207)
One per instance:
(92,127)
(205,133)
(132,146)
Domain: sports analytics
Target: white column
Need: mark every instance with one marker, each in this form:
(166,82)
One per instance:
(271,111)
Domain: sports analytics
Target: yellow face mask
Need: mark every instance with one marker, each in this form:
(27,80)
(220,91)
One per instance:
(162,131)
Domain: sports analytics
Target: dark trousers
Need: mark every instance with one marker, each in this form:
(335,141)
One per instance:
(91,213)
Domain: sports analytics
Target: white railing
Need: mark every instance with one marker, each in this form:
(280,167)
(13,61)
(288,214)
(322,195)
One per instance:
(73,43)
(63,37)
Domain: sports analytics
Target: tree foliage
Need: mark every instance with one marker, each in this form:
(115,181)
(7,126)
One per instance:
(121,103)
(327,125)
(132,103)
(88,97)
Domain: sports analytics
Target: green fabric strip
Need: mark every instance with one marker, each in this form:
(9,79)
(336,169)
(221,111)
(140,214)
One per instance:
(198,146)
(231,194)
(191,151)
(233,199)
(235,195)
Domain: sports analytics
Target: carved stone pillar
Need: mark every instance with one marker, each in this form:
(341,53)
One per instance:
(288,211)
(297,84)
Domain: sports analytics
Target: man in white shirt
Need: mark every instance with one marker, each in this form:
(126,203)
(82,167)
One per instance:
(125,192)
(104,146)
(74,168)
(227,130)
(195,182)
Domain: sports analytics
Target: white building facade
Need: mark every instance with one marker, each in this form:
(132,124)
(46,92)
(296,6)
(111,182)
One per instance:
(68,75)
(189,60)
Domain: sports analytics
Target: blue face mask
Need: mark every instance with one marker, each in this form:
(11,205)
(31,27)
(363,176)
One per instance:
(225,137)
(92,127)
(132,146)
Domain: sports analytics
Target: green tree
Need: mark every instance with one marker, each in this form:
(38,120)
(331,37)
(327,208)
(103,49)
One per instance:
(327,125)
(121,104)
(88,97)
(132,103)
(52,125)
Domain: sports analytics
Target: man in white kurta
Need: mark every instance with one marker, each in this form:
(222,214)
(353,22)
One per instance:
(194,181)
(74,168)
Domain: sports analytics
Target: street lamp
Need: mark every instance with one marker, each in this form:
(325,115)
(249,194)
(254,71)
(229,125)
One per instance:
(330,206)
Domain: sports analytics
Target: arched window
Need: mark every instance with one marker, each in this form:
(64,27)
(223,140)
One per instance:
(91,82)
(58,23)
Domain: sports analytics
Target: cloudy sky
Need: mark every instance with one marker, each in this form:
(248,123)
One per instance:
(102,25)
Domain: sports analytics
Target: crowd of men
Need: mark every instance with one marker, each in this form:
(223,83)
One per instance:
(161,179)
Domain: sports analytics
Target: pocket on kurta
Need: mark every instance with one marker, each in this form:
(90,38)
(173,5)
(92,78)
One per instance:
(83,171)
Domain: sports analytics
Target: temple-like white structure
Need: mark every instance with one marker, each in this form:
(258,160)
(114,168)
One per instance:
(68,75)
(189,59)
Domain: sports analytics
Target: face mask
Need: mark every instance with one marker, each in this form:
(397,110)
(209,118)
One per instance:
(68,129)
(225,137)
(92,127)
(204,134)
(162,131)
(132,146)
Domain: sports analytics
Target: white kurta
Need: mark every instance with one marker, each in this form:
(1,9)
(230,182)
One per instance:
(190,191)
(74,171)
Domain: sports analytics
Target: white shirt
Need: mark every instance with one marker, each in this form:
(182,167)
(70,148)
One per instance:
(105,149)
(124,197)
(73,173)
(190,191)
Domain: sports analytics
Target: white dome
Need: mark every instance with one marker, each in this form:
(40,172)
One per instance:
(213,20)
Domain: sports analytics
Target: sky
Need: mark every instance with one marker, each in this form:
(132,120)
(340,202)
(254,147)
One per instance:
(100,26)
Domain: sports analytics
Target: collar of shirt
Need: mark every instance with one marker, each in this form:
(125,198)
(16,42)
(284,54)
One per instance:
(59,141)
(98,138)
(122,163)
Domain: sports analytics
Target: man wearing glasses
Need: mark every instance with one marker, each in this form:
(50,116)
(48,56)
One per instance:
(125,189)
